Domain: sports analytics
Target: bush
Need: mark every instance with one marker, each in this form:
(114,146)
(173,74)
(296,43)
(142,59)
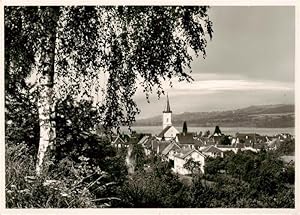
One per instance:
(85,170)
(70,185)
(23,190)
(252,180)
(157,187)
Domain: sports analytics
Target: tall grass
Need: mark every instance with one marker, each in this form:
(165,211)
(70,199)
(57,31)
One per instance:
(68,185)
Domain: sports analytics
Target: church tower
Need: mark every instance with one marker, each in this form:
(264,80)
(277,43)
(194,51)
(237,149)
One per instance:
(167,115)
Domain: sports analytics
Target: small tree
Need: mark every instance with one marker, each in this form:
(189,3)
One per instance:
(225,140)
(207,133)
(184,128)
(193,166)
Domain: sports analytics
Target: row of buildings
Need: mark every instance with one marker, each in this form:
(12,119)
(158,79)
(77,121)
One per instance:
(179,147)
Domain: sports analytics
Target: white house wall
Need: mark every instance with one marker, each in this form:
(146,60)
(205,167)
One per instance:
(171,133)
(179,163)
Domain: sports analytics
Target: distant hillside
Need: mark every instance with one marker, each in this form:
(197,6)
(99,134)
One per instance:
(264,116)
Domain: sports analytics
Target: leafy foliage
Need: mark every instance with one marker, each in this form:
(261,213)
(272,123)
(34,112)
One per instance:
(72,49)
(21,192)
(125,44)
(157,187)
(263,177)
(286,148)
(80,159)
(225,140)
(21,119)
(139,156)
(193,166)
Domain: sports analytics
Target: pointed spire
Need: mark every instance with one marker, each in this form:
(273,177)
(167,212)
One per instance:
(168,104)
(168,110)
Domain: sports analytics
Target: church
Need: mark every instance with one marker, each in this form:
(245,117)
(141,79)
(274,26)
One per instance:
(169,132)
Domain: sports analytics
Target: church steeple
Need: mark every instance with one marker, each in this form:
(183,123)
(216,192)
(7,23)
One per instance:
(168,109)
(167,115)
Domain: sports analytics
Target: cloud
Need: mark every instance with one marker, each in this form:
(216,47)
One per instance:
(233,85)
(204,85)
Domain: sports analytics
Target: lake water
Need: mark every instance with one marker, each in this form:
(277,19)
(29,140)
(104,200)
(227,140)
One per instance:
(226,130)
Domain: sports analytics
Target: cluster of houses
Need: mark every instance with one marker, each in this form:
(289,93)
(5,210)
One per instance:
(179,147)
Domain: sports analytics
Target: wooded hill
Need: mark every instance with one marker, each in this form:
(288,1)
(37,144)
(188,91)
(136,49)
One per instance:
(265,116)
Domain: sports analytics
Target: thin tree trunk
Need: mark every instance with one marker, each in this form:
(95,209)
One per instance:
(46,104)
(130,160)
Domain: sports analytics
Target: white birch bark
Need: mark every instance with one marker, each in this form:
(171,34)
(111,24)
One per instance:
(130,160)
(46,104)
(47,124)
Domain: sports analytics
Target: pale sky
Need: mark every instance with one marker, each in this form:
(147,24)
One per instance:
(250,61)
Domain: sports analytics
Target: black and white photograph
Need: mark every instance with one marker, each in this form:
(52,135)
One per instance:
(149,106)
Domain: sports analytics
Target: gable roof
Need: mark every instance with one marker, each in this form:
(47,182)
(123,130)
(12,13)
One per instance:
(212,149)
(117,140)
(158,146)
(170,147)
(274,143)
(162,133)
(148,143)
(144,140)
(183,153)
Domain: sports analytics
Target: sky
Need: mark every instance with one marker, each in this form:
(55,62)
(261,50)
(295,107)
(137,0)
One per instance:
(250,61)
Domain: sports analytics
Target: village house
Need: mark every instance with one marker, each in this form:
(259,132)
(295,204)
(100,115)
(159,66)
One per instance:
(181,158)
(249,139)
(212,151)
(186,140)
(234,148)
(169,151)
(119,142)
(217,136)
(273,144)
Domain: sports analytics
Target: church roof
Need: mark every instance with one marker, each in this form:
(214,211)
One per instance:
(168,109)
(186,138)
(162,133)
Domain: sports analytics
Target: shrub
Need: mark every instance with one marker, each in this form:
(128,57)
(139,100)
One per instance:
(70,185)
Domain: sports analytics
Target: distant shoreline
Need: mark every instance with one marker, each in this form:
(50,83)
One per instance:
(264,116)
(226,130)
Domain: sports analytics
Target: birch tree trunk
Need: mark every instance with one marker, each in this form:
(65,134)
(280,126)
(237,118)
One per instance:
(46,102)
(130,160)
